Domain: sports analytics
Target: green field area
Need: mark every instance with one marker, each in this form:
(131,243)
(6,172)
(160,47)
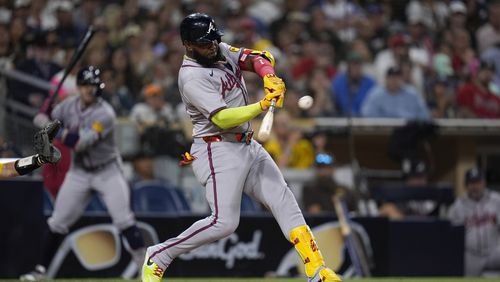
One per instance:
(288,280)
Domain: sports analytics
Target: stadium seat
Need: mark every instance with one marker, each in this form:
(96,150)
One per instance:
(95,205)
(249,205)
(158,197)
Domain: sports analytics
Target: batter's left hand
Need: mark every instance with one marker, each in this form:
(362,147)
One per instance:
(274,85)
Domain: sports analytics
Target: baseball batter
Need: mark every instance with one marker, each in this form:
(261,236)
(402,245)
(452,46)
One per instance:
(479,211)
(225,158)
(96,168)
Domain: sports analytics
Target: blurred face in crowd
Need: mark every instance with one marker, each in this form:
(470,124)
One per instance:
(494,15)
(155,101)
(475,189)
(355,69)
(144,167)
(400,51)
(458,20)
(484,76)
(393,82)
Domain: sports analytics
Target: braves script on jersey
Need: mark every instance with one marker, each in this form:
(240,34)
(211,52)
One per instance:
(205,91)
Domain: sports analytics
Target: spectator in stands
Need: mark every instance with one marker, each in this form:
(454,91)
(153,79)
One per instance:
(475,99)
(441,99)
(116,93)
(38,64)
(318,193)
(319,87)
(154,111)
(377,19)
(126,79)
(68,32)
(492,55)
(489,34)
(350,88)
(479,211)
(415,176)
(144,168)
(288,147)
(395,99)
(400,50)
(464,59)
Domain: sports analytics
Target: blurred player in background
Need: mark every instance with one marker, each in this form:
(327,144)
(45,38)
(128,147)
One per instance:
(225,158)
(479,211)
(89,124)
(53,174)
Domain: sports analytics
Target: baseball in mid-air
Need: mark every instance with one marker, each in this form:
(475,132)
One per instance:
(305,102)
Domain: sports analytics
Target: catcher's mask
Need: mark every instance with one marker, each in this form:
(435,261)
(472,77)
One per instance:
(199,28)
(90,75)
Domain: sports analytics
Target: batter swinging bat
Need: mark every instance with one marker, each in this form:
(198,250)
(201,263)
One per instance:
(267,123)
(74,59)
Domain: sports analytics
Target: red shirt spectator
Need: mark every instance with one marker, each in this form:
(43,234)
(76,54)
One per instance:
(479,101)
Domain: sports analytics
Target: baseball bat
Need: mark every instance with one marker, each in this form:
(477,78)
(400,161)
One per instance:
(267,123)
(74,59)
(357,259)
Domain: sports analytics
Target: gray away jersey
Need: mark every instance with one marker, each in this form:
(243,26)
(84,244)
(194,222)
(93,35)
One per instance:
(100,116)
(481,220)
(207,90)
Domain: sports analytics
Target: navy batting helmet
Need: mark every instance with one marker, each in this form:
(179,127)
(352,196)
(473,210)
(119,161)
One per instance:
(199,28)
(90,75)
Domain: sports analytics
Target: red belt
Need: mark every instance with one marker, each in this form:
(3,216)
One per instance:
(245,137)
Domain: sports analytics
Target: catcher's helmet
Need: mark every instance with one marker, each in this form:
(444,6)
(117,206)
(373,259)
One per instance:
(90,75)
(199,28)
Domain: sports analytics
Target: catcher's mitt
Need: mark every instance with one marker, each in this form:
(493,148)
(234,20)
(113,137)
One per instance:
(47,153)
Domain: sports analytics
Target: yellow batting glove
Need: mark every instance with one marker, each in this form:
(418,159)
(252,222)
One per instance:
(265,103)
(274,85)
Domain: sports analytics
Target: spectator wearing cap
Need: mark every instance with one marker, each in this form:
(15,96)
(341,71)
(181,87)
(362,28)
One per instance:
(400,50)
(475,99)
(479,211)
(350,88)
(394,100)
(489,34)
(318,193)
(67,31)
(154,111)
(458,15)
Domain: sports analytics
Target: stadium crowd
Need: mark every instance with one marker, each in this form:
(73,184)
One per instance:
(411,59)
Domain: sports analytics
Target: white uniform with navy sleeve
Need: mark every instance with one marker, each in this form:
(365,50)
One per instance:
(225,168)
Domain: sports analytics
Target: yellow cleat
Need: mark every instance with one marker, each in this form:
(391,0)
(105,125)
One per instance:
(325,274)
(151,272)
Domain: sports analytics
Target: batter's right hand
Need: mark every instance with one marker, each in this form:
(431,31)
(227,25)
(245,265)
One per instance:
(265,103)
(274,85)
